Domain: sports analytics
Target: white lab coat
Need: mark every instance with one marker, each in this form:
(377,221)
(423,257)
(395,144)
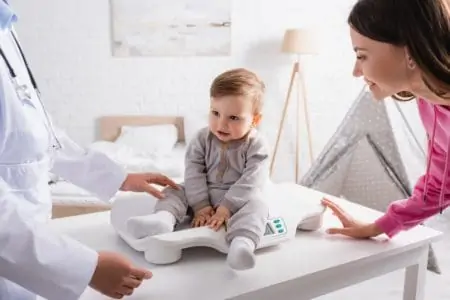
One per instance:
(53,266)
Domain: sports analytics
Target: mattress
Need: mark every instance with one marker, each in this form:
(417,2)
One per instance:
(66,193)
(171,165)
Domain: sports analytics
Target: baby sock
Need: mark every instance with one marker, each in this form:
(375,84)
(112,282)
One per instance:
(149,225)
(241,253)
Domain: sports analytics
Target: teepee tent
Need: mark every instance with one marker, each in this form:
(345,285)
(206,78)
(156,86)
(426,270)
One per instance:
(362,162)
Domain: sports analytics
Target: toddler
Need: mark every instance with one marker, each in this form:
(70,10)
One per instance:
(226,171)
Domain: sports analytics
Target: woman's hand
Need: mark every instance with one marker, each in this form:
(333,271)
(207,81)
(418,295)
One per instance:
(351,227)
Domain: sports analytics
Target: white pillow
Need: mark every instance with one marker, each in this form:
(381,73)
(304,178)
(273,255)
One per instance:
(149,140)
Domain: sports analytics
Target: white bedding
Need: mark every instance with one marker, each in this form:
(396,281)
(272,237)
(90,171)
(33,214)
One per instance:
(170,164)
(65,193)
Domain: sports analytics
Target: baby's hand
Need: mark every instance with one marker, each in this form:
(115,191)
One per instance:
(219,218)
(202,216)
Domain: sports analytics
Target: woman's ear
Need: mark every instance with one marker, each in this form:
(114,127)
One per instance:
(256,120)
(409,60)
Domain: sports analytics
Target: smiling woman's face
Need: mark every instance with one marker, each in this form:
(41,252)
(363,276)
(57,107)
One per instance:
(383,66)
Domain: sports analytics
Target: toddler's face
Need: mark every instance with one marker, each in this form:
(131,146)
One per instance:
(231,117)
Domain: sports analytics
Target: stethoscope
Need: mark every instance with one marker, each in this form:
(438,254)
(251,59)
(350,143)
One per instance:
(23,91)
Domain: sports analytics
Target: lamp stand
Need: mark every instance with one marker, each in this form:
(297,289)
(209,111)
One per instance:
(301,86)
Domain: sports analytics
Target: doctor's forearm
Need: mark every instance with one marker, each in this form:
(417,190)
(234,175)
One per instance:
(88,169)
(93,171)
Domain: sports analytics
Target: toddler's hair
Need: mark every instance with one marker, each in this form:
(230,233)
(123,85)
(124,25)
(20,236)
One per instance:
(239,82)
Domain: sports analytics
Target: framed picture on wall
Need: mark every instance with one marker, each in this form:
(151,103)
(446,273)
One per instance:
(171,27)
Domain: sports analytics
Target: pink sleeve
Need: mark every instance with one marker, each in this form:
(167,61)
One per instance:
(407,213)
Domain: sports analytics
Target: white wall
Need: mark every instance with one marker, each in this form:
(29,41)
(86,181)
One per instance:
(68,45)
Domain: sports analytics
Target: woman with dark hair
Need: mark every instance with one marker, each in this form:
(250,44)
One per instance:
(403,50)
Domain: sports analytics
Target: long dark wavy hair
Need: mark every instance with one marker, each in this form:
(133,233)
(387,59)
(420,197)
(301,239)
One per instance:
(423,26)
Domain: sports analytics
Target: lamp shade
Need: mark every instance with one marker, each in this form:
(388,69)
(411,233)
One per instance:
(299,41)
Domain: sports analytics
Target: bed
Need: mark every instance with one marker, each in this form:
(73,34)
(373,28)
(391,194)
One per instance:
(128,141)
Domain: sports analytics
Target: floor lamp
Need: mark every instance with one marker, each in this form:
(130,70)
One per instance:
(299,42)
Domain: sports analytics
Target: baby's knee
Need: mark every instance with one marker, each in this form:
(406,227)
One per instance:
(173,192)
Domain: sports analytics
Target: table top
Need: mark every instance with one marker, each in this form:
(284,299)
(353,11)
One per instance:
(202,273)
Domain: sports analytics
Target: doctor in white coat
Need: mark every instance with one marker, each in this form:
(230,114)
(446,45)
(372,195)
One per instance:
(33,260)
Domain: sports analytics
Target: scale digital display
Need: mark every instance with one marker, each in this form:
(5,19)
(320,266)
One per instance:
(275,227)
(269,230)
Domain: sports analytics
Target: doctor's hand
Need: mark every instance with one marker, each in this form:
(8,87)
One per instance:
(115,276)
(351,227)
(219,218)
(141,182)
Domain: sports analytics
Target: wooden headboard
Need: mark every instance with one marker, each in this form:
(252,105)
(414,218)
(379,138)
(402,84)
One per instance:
(109,126)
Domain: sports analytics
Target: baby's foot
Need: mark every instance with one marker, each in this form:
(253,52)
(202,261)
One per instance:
(149,225)
(241,254)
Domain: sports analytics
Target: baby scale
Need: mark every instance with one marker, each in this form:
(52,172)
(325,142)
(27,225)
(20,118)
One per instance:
(167,248)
